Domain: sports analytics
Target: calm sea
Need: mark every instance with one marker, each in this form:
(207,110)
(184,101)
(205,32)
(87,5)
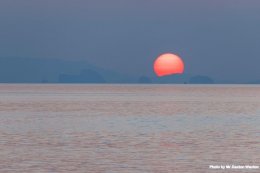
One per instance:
(128,128)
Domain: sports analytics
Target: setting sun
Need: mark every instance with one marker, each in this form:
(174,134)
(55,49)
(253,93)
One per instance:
(168,64)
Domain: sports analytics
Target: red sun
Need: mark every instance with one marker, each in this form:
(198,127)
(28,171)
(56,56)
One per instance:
(168,64)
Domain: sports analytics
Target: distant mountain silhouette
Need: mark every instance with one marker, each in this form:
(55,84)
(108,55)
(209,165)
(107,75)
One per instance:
(254,82)
(86,76)
(172,79)
(33,70)
(144,80)
(201,80)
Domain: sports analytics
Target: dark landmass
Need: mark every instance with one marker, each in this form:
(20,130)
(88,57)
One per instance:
(172,79)
(85,76)
(33,70)
(201,80)
(254,82)
(145,80)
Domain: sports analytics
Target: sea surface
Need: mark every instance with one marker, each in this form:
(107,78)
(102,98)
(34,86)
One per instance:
(55,128)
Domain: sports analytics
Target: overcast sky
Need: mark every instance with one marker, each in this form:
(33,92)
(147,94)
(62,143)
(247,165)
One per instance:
(219,38)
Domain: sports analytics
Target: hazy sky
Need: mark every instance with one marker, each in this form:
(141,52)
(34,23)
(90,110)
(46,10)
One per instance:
(219,38)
